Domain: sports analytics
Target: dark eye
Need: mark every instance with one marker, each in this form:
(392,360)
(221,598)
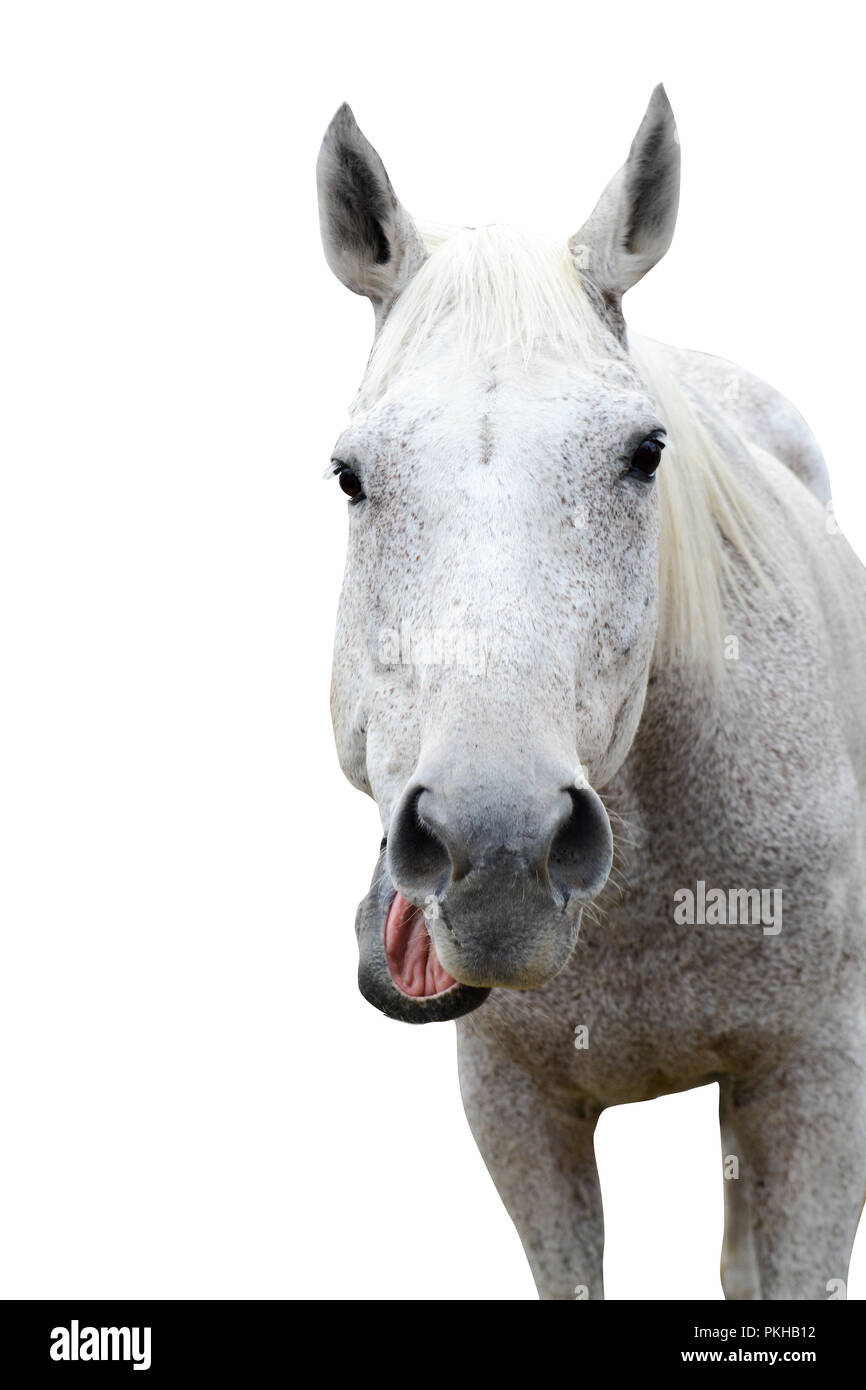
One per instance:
(350,483)
(647,457)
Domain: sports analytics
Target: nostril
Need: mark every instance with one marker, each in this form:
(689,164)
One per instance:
(581,852)
(418,860)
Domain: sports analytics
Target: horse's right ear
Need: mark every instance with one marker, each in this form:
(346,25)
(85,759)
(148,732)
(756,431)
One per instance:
(370,241)
(633,222)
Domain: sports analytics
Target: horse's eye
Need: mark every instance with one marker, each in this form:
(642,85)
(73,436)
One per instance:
(351,484)
(647,456)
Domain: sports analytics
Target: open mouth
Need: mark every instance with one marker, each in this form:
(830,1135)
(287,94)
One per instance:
(399,971)
(413,963)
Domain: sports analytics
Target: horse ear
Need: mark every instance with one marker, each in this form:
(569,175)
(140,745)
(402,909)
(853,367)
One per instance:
(370,241)
(633,222)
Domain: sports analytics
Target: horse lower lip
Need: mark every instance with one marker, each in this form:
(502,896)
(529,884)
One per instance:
(375,979)
(413,964)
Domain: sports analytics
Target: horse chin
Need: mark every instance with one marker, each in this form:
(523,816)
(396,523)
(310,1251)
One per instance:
(399,972)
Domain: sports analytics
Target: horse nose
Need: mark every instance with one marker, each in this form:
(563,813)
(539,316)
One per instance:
(562,841)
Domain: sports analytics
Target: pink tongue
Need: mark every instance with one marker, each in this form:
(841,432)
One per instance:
(412,960)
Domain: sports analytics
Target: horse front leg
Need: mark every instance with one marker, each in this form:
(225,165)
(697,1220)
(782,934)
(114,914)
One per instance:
(798,1135)
(539,1152)
(739,1265)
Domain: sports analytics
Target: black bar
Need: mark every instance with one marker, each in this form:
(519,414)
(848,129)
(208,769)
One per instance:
(239,1342)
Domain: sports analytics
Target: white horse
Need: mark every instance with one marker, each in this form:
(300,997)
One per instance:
(547,628)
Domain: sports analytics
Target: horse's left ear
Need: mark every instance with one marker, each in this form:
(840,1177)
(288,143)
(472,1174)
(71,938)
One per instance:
(633,222)
(370,241)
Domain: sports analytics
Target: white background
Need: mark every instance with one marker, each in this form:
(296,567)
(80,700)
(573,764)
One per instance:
(196,1101)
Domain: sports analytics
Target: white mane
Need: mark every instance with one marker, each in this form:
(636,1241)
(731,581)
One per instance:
(503,290)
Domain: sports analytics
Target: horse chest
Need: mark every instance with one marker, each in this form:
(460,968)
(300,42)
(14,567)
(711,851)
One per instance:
(648,1006)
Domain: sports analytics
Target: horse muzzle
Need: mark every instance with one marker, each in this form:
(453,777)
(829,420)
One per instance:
(461,905)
